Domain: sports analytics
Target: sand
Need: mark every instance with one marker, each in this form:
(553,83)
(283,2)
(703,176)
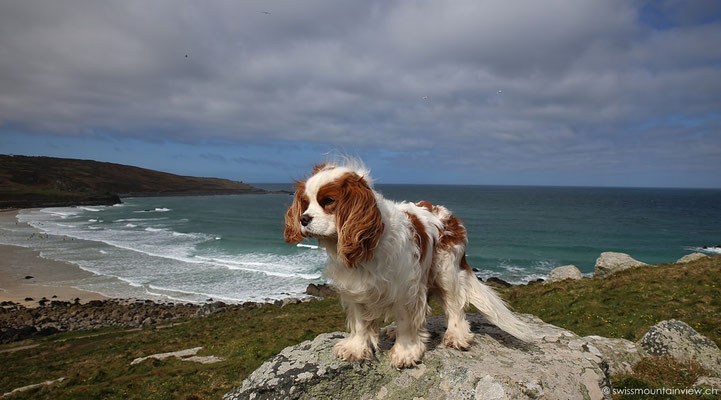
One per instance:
(16,263)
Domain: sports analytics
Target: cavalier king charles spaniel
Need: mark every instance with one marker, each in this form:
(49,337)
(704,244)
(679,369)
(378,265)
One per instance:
(385,258)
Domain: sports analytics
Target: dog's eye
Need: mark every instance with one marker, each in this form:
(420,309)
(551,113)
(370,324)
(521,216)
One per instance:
(326,201)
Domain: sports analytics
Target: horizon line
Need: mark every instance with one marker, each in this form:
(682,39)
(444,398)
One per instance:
(517,185)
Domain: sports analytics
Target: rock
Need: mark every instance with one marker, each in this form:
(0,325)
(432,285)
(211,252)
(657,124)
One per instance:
(676,339)
(321,290)
(691,257)
(498,281)
(28,299)
(622,355)
(609,263)
(163,356)
(558,365)
(289,300)
(562,273)
(29,277)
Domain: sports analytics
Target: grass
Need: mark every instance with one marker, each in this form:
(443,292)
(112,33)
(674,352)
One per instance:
(99,366)
(627,303)
(97,363)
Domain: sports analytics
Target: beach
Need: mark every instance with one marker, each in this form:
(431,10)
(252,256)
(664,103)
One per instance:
(17,263)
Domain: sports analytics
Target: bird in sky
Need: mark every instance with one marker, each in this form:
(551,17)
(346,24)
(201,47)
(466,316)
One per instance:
(424,97)
(265,12)
(499,91)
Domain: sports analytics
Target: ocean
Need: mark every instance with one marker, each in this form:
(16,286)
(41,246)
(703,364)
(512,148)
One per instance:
(231,248)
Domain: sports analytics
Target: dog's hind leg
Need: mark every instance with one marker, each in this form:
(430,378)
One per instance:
(452,288)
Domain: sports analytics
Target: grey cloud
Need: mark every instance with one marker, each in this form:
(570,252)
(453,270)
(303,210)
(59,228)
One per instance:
(579,79)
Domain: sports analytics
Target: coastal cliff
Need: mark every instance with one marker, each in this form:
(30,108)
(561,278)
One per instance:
(58,182)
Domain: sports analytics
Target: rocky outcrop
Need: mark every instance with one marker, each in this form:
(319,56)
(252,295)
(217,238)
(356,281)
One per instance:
(320,290)
(559,364)
(691,257)
(610,262)
(562,273)
(18,322)
(678,340)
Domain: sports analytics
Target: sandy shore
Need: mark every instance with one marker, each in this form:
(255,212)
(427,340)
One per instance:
(17,263)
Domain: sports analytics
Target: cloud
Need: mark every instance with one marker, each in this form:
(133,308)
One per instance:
(598,84)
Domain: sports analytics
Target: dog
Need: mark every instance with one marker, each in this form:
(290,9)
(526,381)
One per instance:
(385,258)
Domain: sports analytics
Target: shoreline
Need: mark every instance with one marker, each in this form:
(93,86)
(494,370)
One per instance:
(17,263)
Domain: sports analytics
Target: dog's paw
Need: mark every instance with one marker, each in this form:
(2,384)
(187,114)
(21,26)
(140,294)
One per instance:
(389,331)
(352,350)
(406,356)
(458,340)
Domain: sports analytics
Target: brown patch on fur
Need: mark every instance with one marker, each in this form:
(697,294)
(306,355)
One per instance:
(319,167)
(428,206)
(419,234)
(358,218)
(333,190)
(292,216)
(453,233)
(464,264)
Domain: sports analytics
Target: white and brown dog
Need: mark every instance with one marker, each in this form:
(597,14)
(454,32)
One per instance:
(385,258)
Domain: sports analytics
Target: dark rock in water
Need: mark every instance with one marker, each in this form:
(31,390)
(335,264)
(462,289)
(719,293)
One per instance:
(28,299)
(498,281)
(536,281)
(76,300)
(475,269)
(54,297)
(210,300)
(42,301)
(29,277)
(322,290)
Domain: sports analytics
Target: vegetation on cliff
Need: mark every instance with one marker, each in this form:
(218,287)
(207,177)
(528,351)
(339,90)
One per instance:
(47,181)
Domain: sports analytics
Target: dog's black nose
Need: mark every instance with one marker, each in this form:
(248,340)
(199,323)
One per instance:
(305,219)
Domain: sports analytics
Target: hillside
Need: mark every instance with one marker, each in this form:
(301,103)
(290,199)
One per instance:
(97,364)
(47,181)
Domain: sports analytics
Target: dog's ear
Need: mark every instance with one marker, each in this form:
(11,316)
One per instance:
(358,221)
(292,216)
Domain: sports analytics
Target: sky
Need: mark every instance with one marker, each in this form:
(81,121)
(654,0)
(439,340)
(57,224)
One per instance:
(557,92)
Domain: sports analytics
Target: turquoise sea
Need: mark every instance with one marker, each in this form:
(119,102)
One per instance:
(231,248)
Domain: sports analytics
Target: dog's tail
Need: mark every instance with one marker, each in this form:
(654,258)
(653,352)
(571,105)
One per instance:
(494,309)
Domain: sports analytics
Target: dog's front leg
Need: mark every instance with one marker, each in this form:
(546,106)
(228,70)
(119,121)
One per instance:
(410,336)
(363,337)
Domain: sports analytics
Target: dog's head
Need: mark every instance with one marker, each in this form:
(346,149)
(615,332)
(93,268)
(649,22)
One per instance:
(336,203)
